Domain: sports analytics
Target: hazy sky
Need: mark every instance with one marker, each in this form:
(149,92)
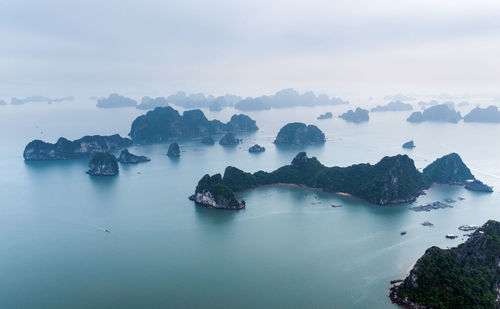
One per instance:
(247,47)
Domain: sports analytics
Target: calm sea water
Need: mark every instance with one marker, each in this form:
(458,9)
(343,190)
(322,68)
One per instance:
(285,250)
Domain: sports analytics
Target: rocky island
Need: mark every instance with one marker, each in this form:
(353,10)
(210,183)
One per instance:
(394,106)
(103,164)
(128,158)
(256,149)
(165,123)
(297,133)
(489,114)
(409,145)
(229,140)
(115,100)
(65,149)
(393,180)
(174,151)
(151,103)
(327,115)
(462,277)
(357,116)
(436,113)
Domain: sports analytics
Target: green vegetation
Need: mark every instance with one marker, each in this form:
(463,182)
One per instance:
(449,169)
(461,277)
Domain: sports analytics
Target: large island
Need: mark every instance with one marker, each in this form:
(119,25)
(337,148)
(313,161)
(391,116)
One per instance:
(165,123)
(393,180)
(462,277)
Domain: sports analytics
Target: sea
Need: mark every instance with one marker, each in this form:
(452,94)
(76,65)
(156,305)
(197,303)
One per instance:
(288,249)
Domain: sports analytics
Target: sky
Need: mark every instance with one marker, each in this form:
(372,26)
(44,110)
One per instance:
(158,47)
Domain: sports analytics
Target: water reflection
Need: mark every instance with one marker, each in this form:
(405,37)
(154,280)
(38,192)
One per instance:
(215,216)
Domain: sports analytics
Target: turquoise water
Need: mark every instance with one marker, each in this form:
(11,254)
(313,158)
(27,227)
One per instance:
(288,249)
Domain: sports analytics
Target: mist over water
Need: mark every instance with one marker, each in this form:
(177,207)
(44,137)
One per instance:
(286,249)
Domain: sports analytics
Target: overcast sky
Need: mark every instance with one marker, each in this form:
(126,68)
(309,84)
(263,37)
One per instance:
(248,47)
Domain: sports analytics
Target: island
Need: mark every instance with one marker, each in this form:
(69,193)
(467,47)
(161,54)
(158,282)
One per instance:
(103,164)
(394,106)
(229,140)
(2,102)
(461,277)
(256,149)
(409,145)
(297,133)
(207,140)
(128,158)
(489,114)
(393,180)
(327,115)
(399,97)
(151,103)
(436,113)
(165,123)
(115,100)
(287,98)
(357,116)
(39,98)
(64,149)
(174,150)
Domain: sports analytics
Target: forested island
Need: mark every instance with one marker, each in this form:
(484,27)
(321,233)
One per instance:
(115,101)
(394,106)
(65,149)
(489,114)
(356,116)
(165,123)
(436,113)
(393,180)
(298,133)
(462,277)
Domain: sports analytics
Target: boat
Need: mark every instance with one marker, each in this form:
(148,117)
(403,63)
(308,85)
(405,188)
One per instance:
(335,206)
(107,231)
(467,227)
(451,236)
(427,223)
(403,232)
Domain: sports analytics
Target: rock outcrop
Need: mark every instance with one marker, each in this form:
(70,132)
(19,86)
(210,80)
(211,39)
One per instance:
(256,149)
(229,140)
(477,185)
(114,100)
(128,158)
(103,164)
(65,149)
(437,113)
(489,114)
(174,150)
(394,106)
(462,277)
(357,116)
(151,103)
(211,192)
(297,133)
(165,123)
(409,145)
(449,169)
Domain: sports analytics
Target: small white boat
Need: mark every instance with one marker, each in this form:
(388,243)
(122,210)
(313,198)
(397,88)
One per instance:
(451,236)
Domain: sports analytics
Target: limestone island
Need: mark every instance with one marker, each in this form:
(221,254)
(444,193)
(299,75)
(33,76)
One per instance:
(297,133)
(357,116)
(461,277)
(128,158)
(393,180)
(207,140)
(165,123)
(394,106)
(409,145)
(115,100)
(229,140)
(437,113)
(64,149)
(256,149)
(103,164)
(489,114)
(327,115)
(174,150)
(151,103)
